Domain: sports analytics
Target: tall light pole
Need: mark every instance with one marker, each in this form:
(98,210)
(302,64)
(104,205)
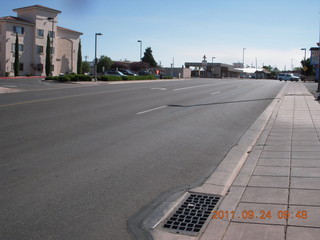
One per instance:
(243,57)
(304,49)
(95,56)
(51,52)
(139,41)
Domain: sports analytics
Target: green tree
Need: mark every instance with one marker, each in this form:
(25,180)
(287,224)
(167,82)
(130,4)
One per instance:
(85,67)
(273,71)
(137,66)
(148,58)
(104,63)
(269,68)
(79,62)
(119,65)
(307,69)
(16,56)
(48,57)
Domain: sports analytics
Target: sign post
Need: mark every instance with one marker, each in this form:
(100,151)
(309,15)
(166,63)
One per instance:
(204,65)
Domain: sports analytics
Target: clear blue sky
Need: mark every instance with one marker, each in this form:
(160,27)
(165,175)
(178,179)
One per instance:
(273,31)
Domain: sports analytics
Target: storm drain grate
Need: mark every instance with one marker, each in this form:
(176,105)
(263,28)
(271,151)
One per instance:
(192,214)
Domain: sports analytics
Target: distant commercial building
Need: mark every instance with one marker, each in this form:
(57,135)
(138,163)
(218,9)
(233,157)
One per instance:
(33,24)
(216,70)
(177,72)
(259,73)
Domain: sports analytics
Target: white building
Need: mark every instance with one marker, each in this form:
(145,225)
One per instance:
(33,24)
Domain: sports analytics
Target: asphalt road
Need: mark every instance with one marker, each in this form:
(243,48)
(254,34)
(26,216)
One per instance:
(78,162)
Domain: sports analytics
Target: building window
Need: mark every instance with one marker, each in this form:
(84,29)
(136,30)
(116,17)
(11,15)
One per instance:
(19,30)
(52,50)
(13,47)
(40,32)
(39,49)
(51,34)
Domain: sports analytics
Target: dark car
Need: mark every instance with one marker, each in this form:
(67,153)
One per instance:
(127,72)
(115,73)
(143,73)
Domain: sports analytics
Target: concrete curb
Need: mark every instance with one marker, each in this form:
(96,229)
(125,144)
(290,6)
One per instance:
(23,77)
(222,178)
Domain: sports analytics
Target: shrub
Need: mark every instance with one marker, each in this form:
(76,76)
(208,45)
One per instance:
(83,77)
(64,79)
(109,78)
(166,77)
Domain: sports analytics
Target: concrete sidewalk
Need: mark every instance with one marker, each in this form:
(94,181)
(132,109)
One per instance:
(276,194)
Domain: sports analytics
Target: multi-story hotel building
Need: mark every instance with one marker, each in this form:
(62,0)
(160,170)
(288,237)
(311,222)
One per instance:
(32,25)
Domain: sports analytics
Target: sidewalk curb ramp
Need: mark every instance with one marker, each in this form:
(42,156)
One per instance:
(218,183)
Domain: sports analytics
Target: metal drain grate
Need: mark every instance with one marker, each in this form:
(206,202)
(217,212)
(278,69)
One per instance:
(192,214)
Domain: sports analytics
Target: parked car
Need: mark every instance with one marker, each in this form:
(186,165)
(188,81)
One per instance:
(143,73)
(127,72)
(287,76)
(114,73)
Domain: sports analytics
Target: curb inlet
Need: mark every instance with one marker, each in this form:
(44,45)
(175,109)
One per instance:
(192,214)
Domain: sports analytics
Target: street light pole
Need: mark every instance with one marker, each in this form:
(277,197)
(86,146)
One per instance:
(95,57)
(139,41)
(51,52)
(243,57)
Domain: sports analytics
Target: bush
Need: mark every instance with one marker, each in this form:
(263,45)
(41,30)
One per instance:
(75,77)
(83,77)
(132,78)
(166,77)
(109,78)
(64,79)
(70,77)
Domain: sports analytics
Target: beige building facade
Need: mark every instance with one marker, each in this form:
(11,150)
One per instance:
(33,24)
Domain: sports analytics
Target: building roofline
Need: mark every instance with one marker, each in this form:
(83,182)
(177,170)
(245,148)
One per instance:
(37,7)
(69,30)
(15,19)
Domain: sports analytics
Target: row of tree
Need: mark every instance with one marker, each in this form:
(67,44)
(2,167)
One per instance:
(105,63)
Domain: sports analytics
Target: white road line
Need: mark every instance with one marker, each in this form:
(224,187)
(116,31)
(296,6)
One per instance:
(197,86)
(215,93)
(159,89)
(178,89)
(153,109)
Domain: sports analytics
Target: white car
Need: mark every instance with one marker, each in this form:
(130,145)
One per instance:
(287,76)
